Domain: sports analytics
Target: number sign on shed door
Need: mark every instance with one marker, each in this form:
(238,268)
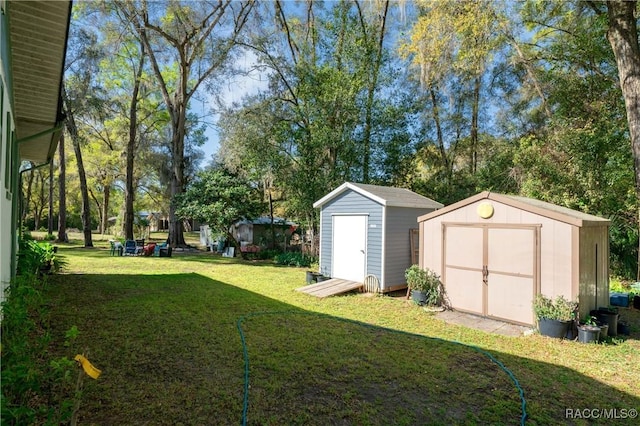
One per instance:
(349,247)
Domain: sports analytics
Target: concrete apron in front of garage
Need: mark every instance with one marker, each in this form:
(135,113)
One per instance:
(484,324)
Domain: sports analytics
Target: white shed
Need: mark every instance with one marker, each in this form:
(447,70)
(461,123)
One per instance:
(364,232)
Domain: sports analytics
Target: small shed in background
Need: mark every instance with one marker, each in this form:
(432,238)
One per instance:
(364,232)
(258,231)
(496,252)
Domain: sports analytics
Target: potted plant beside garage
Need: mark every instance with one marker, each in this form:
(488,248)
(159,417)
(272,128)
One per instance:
(589,330)
(554,316)
(425,286)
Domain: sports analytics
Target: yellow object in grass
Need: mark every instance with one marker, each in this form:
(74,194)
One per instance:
(88,368)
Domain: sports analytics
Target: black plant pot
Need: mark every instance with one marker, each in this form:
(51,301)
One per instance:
(588,333)
(624,328)
(636,302)
(604,330)
(610,318)
(553,328)
(45,269)
(419,297)
(310,277)
(320,278)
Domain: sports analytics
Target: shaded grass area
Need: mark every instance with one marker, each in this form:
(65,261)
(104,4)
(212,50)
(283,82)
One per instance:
(164,332)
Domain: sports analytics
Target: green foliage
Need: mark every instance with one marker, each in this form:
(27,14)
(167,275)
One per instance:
(297,259)
(34,256)
(425,281)
(561,309)
(220,198)
(35,388)
(268,254)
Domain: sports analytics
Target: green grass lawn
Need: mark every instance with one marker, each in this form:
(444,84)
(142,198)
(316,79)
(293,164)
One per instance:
(166,333)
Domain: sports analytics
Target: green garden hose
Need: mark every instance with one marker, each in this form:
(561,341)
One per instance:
(245,404)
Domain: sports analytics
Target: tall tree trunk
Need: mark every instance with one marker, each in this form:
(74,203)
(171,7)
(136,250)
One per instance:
(474,124)
(105,209)
(62,194)
(435,112)
(526,63)
(371,89)
(50,215)
(623,37)
(176,231)
(189,48)
(27,198)
(129,193)
(37,210)
(272,244)
(86,205)
(100,209)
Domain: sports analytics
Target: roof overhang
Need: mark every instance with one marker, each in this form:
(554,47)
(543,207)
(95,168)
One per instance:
(38,43)
(530,205)
(415,201)
(344,187)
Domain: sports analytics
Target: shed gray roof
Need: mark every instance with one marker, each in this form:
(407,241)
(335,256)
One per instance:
(385,195)
(542,208)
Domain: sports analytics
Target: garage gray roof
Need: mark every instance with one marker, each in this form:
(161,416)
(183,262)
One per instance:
(38,40)
(385,195)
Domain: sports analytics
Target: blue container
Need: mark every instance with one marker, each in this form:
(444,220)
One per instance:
(619,299)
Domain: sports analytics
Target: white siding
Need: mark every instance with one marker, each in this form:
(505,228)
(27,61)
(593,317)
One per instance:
(7,230)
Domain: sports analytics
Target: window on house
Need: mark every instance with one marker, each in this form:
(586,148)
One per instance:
(7,157)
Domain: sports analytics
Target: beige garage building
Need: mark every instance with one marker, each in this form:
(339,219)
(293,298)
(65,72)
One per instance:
(496,252)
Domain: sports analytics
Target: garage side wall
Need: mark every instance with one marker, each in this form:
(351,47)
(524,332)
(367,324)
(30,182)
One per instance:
(594,268)
(397,258)
(351,202)
(556,244)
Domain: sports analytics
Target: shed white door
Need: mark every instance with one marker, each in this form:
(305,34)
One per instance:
(491,270)
(349,247)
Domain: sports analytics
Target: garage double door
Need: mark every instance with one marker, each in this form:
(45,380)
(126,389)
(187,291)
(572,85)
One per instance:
(492,270)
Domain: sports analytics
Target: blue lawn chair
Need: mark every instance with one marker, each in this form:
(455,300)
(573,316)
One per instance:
(130,247)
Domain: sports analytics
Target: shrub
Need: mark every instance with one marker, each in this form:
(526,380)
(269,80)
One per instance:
(425,281)
(294,259)
(561,309)
(36,389)
(32,256)
(268,254)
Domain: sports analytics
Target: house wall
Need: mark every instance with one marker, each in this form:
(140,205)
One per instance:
(350,202)
(557,245)
(7,177)
(397,249)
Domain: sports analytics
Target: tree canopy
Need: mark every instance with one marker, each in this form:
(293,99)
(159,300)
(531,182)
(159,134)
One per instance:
(445,98)
(219,198)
